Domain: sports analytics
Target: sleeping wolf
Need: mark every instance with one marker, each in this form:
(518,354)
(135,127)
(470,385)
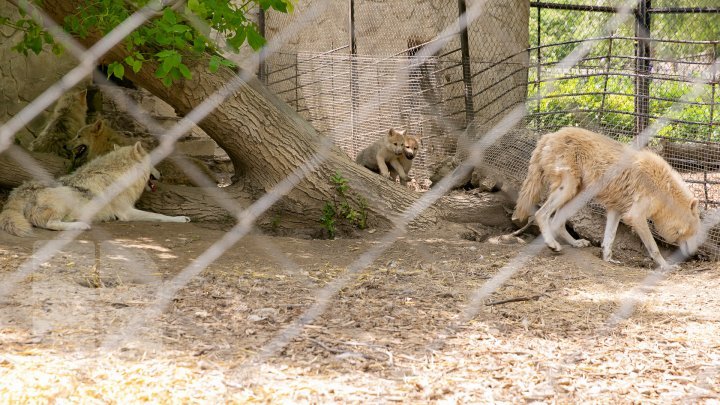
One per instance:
(67,118)
(386,150)
(99,138)
(59,206)
(633,185)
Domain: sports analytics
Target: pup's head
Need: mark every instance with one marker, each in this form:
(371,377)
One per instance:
(90,142)
(411,146)
(680,224)
(396,141)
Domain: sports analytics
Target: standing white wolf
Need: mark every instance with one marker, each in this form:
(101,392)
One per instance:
(59,206)
(633,185)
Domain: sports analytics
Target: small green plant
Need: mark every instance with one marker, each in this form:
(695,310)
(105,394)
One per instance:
(344,207)
(328,219)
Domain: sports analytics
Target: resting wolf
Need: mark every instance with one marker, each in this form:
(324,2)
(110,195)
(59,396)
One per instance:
(639,185)
(100,138)
(67,118)
(59,206)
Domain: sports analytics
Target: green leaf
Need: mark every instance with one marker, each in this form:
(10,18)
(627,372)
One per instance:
(185,71)
(214,64)
(179,28)
(119,71)
(255,40)
(169,16)
(237,40)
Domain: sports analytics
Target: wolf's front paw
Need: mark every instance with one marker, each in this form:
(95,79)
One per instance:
(184,219)
(554,246)
(611,260)
(669,267)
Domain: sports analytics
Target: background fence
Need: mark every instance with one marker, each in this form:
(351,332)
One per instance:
(353,58)
(356,63)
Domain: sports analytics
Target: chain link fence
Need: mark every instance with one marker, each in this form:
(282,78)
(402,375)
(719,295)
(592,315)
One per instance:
(356,63)
(352,91)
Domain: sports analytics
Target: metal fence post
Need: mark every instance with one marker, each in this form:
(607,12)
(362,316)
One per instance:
(467,74)
(262,73)
(353,75)
(642,65)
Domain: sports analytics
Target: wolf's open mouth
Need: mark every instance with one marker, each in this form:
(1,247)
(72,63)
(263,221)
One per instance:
(79,151)
(152,183)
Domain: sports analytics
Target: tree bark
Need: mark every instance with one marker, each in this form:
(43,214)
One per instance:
(14,172)
(266,141)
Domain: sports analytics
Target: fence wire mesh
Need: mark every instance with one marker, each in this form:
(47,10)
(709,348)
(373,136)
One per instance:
(635,82)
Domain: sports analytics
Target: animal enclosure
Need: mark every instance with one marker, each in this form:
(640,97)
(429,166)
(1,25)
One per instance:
(233,308)
(656,71)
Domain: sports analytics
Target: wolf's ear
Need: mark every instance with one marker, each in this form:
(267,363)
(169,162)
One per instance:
(694,205)
(82,96)
(138,149)
(98,125)
(401,132)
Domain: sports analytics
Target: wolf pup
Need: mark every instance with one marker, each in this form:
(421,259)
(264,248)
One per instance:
(639,185)
(384,151)
(59,206)
(410,149)
(65,121)
(99,138)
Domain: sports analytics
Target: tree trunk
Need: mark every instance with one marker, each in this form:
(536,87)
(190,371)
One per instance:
(266,141)
(14,172)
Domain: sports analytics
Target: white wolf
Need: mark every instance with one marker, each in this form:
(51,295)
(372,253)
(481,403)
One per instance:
(633,185)
(58,206)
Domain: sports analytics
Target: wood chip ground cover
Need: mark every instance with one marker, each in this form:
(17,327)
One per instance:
(390,335)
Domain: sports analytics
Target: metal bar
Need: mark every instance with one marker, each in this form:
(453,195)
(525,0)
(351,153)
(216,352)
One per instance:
(539,68)
(467,74)
(684,10)
(574,7)
(353,75)
(712,123)
(590,110)
(607,79)
(642,65)
(610,9)
(262,73)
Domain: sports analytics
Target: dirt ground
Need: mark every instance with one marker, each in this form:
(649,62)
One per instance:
(99,322)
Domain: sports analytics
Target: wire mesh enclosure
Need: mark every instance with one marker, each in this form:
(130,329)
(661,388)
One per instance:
(358,65)
(662,56)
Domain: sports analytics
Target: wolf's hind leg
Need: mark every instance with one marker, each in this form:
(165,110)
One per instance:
(559,195)
(66,226)
(563,232)
(134,214)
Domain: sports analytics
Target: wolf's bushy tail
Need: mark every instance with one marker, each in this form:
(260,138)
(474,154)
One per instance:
(12,219)
(532,187)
